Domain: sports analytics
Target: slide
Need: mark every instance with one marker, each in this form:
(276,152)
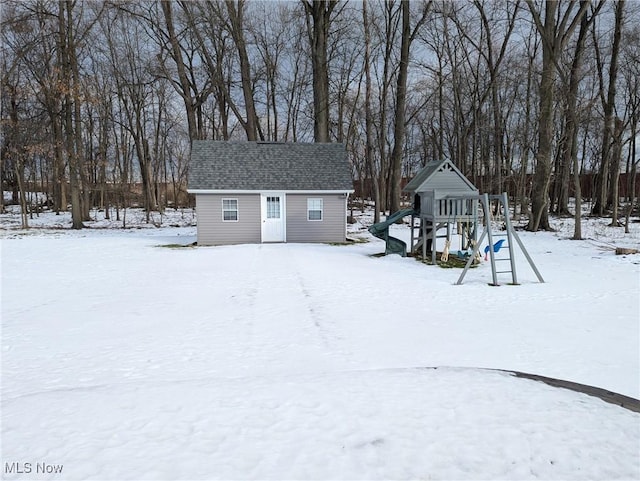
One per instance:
(381,231)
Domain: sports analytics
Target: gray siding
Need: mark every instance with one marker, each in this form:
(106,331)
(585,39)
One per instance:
(439,175)
(448,181)
(211,229)
(333,226)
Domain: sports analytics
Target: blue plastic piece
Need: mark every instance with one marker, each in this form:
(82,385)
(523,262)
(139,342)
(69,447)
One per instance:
(496,247)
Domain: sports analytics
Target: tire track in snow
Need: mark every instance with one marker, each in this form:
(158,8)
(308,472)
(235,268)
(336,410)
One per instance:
(313,314)
(326,329)
(274,320)
(246,317)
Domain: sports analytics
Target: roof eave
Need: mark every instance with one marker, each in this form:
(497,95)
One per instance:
(259,191)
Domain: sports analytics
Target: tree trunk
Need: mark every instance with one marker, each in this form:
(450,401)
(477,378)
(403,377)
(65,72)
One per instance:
(59,181)
(19,163)
(571,129)
(614,181)
(540,193)
(523,190)
(319,11)
(632,189)
(236,17)
(603,179)
(369,118)
(401,103)
(554,38)
(66,52)
(185,88)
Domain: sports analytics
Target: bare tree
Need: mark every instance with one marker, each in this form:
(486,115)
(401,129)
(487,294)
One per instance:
(15,146)
(555,36)
(134,82)
(494,62)
(235,11)
(407,37)
(318,24)
(69,67)
(609,165)
(570,140)
(630,68)
(32,35)
(211,25)
(270,34)
(185,86)
(368,116)
(389,33)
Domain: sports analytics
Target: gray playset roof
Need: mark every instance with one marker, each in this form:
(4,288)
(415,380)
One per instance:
(440,175)
(218,165)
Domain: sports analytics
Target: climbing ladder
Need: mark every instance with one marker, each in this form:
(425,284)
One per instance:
(510,236)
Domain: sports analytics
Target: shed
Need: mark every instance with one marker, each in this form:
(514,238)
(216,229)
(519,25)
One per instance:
(253,192)
(442,197)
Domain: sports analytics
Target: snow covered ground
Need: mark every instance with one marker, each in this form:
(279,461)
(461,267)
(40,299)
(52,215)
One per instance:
(124,359)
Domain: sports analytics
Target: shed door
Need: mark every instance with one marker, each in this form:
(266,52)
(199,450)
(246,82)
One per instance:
(272,207)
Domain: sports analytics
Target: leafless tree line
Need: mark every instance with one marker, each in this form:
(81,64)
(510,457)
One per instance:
(102,98)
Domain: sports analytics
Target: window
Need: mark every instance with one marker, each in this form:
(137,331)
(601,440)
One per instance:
(273,207)
(314,209)
(229,210)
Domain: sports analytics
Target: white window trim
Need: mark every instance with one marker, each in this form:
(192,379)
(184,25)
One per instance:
(237,210)
(321,209)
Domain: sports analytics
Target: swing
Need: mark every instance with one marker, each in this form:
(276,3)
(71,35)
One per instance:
(468,248)
(447,243)
(445,252)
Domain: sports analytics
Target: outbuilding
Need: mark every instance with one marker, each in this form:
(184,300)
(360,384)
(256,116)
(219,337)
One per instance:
(254,192)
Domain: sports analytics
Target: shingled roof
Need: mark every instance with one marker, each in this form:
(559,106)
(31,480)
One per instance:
(218,165)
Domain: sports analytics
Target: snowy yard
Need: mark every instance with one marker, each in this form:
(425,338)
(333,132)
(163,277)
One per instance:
(126,359)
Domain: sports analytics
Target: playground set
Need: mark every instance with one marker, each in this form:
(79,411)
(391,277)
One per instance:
(446,202)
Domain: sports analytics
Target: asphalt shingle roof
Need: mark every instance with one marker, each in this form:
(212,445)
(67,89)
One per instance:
(218,165)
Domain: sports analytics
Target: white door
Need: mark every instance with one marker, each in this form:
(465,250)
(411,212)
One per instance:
(273,217)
